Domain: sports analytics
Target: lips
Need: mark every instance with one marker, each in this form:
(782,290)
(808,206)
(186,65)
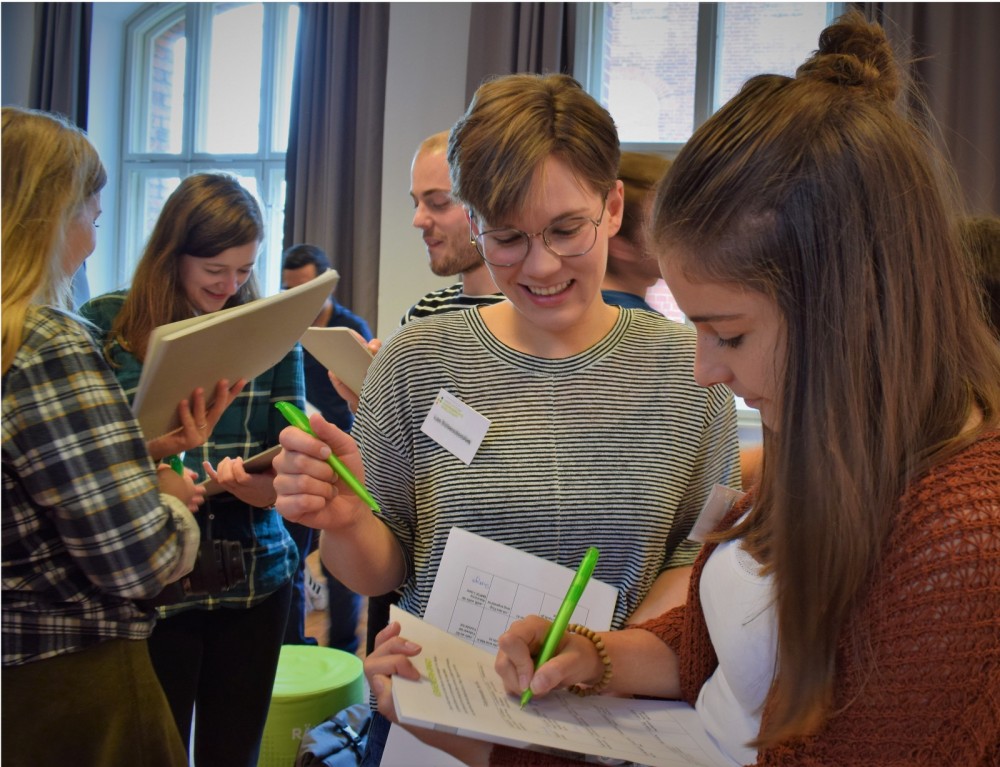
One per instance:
(551,290)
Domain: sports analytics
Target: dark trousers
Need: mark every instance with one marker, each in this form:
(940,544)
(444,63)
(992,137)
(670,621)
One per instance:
(219,666)
(295,628)
(344,611)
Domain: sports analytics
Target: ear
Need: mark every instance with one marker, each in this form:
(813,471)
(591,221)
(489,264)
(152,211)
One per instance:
(615,207)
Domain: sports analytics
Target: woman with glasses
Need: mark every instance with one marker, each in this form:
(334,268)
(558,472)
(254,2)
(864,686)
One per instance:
(595,431)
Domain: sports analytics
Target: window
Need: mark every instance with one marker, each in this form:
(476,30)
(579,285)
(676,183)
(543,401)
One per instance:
(662,69)
(208,88)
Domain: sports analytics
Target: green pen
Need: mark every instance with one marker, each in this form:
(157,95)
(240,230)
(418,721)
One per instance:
(298,419)
(176,463)
(561,621)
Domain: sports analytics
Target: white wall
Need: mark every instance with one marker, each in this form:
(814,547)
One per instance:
(425,93)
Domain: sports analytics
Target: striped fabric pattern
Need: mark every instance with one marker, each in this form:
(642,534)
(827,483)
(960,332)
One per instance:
(448,299)
(616,447)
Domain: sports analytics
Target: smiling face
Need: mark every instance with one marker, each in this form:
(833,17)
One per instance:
(209,282)
(741,338)
(81,234)
(440,219)
(554,295)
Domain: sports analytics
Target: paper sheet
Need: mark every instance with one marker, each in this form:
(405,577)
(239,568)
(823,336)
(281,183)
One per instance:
(460,692)
(482,586)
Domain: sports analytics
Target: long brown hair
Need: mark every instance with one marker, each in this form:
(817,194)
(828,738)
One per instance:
(50,170)
(818,192)
(207,214)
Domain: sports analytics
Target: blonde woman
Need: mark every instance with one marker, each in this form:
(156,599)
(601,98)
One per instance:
(89,524)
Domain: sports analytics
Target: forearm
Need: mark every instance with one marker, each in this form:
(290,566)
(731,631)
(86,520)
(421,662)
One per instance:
(642,664)
(366,556)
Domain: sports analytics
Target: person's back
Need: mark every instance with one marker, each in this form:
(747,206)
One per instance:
(89,525)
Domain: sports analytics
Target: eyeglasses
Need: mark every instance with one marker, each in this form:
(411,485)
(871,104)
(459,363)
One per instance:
(565,238)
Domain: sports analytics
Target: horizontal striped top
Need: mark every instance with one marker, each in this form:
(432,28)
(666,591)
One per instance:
(449,299)
(616,447)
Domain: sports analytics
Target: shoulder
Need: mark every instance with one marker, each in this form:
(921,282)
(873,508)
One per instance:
(954,507)
(449,299)
(345,318)
(103,309)
(656,328)
(45,325)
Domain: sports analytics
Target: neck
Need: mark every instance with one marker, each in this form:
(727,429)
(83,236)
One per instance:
(324,314)
(510,327)
(478,282)
(636,284)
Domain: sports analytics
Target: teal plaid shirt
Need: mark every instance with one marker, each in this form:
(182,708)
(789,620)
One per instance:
(85,530)
(248,426)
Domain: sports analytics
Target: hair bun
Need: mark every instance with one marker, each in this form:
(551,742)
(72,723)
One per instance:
(856,54)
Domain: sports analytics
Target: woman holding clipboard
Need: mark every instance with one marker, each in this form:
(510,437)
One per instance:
(215,652)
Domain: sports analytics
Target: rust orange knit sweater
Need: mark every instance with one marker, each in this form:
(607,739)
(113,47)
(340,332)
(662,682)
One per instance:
(927,692)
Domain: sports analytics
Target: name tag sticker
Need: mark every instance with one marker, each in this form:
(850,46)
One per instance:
(455,426)
(720,500)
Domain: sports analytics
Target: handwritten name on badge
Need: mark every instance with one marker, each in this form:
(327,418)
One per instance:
(455,426)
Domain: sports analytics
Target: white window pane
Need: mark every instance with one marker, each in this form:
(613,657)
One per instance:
(231,120)
(162,129)
(772,38)
(649,69)
(284,69)
(150,190)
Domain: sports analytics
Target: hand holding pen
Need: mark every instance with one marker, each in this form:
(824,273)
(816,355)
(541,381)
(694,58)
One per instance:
(299,420)
(557,630)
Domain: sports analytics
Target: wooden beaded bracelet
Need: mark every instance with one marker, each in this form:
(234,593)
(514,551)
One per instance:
(602,653)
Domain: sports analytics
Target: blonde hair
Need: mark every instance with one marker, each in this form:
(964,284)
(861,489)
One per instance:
(49,171)
(205,215)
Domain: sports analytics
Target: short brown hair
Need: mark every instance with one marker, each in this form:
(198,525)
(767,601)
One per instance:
(513,124)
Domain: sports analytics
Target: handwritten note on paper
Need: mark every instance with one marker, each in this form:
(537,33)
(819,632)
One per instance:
(483,586)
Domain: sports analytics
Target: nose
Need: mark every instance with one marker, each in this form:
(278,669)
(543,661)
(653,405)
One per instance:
(420,218)
(539,259)
(708,369)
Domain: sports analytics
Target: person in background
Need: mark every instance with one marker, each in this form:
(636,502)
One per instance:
(89,524)
(565,380)
(215,653)
(300,264)
(981,239)
(445,230)
(632,269)
(847,612)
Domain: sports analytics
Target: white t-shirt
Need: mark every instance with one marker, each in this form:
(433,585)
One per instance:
(739,610)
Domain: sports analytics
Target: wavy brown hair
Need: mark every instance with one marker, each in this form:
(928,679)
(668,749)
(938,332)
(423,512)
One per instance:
(50,169)
(820,193)
(207,214)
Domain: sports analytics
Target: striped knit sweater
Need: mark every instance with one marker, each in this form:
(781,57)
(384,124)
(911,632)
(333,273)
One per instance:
(616,447)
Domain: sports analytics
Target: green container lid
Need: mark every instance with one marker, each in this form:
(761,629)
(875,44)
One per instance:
(305,670)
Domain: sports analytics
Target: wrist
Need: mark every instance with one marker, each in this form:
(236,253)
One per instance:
(602,669)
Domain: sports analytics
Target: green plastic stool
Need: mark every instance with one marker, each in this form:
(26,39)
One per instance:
(311,685)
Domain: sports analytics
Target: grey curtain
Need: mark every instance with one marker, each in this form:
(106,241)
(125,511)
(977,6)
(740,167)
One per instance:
(957,68)
(60,77)
(334,162)
(505,38)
